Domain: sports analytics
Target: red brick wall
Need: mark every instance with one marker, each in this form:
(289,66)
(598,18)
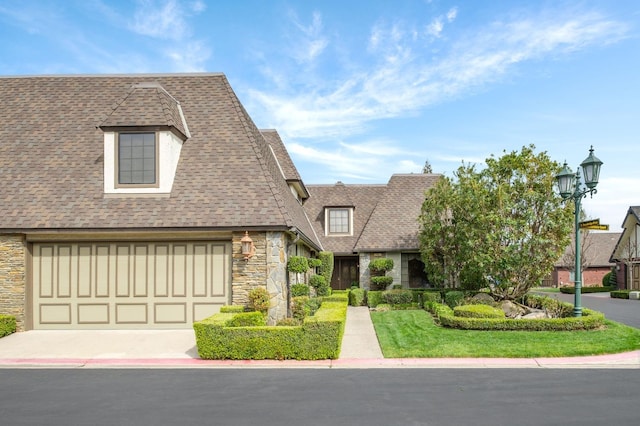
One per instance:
(590,277)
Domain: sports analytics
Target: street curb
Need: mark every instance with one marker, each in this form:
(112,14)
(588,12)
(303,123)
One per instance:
(627,360)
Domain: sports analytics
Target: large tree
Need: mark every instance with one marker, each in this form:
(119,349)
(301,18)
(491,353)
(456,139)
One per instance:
(500,227)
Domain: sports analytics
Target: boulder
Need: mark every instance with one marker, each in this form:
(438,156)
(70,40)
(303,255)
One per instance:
(535,314)
(511,310)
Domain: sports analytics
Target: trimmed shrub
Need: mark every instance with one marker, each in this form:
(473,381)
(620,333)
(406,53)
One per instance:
(381,265)
(232,309)
(259,299)
(555,308)
(298,264)
(319,336)
(374,298)
(317,281)
(588,321)
(356,297)
(288,322)
(606,279)
(398,297)
(247,319)
(594,289)
(326,268)
(7,325)
(478,311)
(300,289)
(454,298)
(314,262)
(323,290)
(382,307)
(299,307)
(620,294)
(380,283)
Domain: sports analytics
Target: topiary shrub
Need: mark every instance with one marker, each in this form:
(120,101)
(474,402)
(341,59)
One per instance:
(259,300)
(606,279)
(478,311)
(326,268)
(356,297)
(454,298)
(323,290)
(300,289)
(381,265)
(398,297)
(298,264)
(381,283)
(314,262)
(317,281)
(299,308)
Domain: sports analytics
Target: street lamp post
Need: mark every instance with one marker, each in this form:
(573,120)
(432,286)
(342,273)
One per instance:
(570,187)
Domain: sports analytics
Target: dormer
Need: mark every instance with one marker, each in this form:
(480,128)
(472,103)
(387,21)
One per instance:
(143,137)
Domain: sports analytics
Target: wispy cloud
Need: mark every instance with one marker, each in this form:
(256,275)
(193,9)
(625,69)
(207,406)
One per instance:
(310,41)
(403,78)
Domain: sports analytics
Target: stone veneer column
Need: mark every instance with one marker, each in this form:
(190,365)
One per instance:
(267,268)
(13,278)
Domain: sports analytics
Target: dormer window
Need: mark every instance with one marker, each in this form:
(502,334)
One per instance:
(339,221)
(137,159)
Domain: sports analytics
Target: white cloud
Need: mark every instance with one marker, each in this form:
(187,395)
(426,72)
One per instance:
(435,27)
(452,14)
(163,20)
(402,79)
(310,41)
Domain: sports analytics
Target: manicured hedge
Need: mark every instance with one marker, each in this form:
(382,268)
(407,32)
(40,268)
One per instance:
(620,294)
(374,298)
(596,289)
(356,297)
(590,320)
(478,311)
(319,337)
(7,325)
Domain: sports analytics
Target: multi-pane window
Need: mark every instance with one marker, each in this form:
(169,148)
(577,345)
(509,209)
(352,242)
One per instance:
(137,159)
(339,221)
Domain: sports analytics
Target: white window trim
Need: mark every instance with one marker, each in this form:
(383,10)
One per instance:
(326,222)
(168,154)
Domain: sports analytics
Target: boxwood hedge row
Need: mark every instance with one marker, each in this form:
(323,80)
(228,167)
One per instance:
(319,336)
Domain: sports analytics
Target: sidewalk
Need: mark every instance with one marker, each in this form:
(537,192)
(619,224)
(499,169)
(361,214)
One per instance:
(177,349)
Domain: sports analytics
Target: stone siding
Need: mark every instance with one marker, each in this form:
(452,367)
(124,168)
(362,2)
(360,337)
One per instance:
(267,269)
(13,278)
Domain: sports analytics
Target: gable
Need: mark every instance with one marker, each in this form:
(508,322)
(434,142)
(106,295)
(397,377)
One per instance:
(52,155)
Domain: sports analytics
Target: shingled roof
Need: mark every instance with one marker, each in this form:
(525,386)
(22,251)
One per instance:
(385,216)
(51,156)
(394,225)
(597,248)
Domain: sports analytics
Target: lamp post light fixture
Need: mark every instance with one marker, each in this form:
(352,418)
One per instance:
(570,188)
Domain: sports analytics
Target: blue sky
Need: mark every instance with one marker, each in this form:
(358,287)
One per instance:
(363,89)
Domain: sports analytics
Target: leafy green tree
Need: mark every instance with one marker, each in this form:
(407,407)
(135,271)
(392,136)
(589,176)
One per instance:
(501,227)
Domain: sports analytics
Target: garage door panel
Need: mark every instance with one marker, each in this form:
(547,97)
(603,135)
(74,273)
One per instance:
(129,284)
(55,313)
(93,313)
(131,313)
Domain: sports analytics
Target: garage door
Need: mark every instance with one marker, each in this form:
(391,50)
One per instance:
(128,285)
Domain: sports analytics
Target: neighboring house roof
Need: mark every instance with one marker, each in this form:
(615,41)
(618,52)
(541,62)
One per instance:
(394,225)
(597,248)
(631,223)
(385,217)
(51,156)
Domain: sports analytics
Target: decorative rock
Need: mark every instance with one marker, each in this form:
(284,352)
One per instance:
(535,315)
(511,310)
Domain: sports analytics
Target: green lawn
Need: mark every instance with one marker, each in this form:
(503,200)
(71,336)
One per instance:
(413,334)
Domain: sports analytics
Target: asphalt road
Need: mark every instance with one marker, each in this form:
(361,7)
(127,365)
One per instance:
(319,397)
(620,310)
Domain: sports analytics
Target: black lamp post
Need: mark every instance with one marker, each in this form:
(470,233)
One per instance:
(570,188)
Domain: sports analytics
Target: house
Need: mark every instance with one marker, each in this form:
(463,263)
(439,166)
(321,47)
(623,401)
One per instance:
(140,201)
(626,254)
(596,249)
(359,223)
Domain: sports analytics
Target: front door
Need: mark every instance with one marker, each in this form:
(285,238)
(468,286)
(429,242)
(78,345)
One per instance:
(635,277)
(345,273)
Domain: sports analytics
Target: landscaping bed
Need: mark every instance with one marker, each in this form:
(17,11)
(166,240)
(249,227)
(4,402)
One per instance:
(319,336)
(7,325)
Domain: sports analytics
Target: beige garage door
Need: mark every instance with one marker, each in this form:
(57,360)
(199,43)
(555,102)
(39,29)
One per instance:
(128,285)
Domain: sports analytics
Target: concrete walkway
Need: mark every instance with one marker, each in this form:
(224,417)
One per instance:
(177,349)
